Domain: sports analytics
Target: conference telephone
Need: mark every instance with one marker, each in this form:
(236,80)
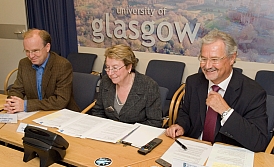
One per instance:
(49,147)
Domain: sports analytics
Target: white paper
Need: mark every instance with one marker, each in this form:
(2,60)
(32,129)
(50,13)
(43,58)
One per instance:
(196,153)
(58,118)
(179,163)
(22,127)
(24,115)
(112,131)
(230,156)
(143,135)
(79,127)
(8,118)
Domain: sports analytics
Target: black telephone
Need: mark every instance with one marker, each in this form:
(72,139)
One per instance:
(50,147)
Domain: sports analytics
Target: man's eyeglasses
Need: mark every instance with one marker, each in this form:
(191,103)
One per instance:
(114,69)
(35,51)
(216,60)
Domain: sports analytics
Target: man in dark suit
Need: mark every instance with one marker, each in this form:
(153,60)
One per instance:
(239,105)
(44,79)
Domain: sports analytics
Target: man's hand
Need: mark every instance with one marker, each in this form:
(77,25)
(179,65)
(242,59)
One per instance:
(174,131)
(216,102)
(14,104)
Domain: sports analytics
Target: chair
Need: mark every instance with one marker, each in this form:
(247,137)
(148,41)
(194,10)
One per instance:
(82,62)
(167,74)
(235,68)
(270,147)
(270,114)
(266,80)
(7,86)
(84,89)
(163,93)
(175,104)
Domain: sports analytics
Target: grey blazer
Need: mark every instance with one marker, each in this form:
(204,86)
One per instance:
(143,104)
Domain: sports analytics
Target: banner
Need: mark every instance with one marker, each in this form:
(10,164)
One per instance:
(177,26)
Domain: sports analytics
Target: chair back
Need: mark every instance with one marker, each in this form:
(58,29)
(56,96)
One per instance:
(266,80)
(270,114)
(163,92)
(235,68)
(167,74)
(84,88)
(11,76)
(82,62)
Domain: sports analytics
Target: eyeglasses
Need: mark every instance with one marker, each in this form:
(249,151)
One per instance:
(114,69)
(35,51)
(212,60)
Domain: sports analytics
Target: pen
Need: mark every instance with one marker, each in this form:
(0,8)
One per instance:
(181,144)
(128,135)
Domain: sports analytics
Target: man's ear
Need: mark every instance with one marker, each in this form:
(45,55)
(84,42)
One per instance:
(233,59)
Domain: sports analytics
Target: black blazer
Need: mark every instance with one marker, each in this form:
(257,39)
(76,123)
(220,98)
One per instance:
(246,126)
(143,104)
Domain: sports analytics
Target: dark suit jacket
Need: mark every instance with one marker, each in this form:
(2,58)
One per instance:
(246,126)
(56,85)
(143,103)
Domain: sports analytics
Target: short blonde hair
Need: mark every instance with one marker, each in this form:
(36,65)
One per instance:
(42,33)
(122,52)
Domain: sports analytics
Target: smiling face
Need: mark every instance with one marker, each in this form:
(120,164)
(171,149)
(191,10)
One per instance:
(35,49)
(122,71)
(219,70)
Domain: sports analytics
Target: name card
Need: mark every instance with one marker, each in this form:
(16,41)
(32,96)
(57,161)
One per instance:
(8,118)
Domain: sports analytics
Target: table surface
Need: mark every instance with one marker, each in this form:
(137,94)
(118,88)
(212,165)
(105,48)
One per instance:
(2,102)
(11,157)
(83,152)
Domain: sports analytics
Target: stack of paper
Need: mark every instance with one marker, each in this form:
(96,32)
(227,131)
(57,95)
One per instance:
(87,126)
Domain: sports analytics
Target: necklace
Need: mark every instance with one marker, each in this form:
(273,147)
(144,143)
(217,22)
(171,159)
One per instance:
(116,94)
(120,104)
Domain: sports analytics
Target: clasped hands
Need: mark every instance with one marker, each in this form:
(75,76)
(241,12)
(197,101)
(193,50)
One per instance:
(214,100)
(14,104)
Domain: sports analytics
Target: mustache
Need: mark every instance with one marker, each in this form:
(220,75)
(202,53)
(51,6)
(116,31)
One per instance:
(209,69)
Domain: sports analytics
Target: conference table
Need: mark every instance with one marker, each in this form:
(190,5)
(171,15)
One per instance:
(83,152)
(11,157)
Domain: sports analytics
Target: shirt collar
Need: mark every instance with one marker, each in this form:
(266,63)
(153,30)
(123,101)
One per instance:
(223,85)
(41,66)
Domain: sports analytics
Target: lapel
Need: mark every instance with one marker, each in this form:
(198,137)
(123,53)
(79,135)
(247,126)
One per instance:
(202,94)
(133,96)
(31,75)
(47,74)
(110,91)
(233,89)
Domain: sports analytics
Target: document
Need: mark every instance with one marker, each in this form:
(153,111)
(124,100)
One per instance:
(24,115)
(58,118)
(87,126)
(230,156)
(22,126)
(111,131)
(142,134)
(196,153)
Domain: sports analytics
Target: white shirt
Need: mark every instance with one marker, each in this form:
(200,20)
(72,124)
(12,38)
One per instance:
(223,85)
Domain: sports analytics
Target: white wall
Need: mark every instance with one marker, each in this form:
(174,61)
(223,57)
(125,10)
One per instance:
(192,63)
(12,12)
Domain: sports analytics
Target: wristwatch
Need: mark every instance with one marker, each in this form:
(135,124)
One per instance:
(225,113)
